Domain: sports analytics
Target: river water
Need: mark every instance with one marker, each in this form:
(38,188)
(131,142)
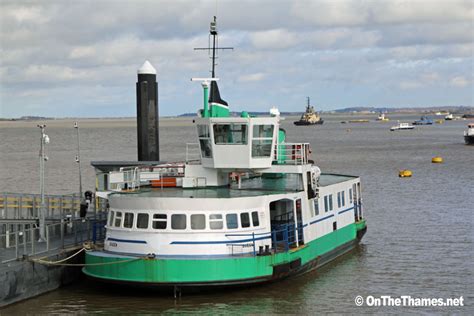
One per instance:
(420,229)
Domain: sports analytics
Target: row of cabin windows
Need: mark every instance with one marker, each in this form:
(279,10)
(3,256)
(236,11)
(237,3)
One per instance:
(328,201)
(179,221)
(236,134)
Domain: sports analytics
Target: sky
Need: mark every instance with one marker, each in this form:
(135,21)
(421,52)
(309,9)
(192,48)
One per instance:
(79,58)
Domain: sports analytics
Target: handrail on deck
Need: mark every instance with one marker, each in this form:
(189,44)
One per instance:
(292,153)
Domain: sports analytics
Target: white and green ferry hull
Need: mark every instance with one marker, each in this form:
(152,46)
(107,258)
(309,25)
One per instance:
(225,271)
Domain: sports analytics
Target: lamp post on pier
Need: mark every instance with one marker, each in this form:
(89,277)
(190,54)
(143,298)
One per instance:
(42,159)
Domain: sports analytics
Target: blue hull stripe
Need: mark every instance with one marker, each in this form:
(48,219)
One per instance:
(321,219)
(346,210)
(218,241)
(127,240)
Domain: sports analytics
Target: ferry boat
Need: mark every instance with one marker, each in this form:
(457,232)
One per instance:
(247,208)
(402,126)
(469,134)
(309,117)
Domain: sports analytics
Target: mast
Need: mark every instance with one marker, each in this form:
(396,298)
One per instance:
(215,46)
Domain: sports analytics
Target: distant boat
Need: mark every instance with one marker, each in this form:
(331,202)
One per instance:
(469,134)
(449,117)
(468,115)
(402,126)
(309,117)
(424,120)
(382,118)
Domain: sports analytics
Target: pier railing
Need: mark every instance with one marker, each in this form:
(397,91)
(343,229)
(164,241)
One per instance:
(291,153)
(27,206)
(23,240)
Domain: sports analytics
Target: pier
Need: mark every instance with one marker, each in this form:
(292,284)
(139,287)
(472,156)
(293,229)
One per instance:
(26,246)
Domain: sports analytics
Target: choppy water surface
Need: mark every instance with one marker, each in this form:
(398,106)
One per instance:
(420,229)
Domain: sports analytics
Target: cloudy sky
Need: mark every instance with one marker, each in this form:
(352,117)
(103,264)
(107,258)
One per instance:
(79,58)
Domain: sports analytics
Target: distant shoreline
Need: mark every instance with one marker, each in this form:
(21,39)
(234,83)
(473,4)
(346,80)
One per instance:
(457,110)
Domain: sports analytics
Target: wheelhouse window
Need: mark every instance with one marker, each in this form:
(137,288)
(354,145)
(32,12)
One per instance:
(128,220)
(262,140)
(231,220)
(255,220)
(245,220)
(230,134)
(142,220)
(159,221)
(118,219)
(215,221)
(178,221)
(204,141)
(198,221)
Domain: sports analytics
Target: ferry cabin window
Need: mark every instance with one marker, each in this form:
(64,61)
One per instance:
(178,221)
(262,140)
(142,221)
(111,218)
(215,221)
(159,221)
(338,199)
(245,220)
(204,141)
(316,207)
(118,219)
(231,220)
(350,196)
(326,204)
(128,220)
(230,134)
(330,202)
(343,198)
(255,219)
(198,221)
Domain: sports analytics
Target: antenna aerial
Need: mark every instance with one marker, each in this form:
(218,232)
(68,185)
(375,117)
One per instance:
(215,46)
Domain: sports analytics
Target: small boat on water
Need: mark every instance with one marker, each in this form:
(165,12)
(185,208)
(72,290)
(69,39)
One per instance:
(424,120)
(382,118)
(449,117)
(469,134)
(402,126)
(309,117)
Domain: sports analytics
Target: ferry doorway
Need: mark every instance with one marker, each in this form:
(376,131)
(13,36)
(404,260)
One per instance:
(282,221)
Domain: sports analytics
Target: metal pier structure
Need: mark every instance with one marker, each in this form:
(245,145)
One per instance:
(21,241)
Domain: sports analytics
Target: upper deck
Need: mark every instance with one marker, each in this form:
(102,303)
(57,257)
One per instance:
(257,186)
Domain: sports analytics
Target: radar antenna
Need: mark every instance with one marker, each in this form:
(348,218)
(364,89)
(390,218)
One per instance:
(215,46)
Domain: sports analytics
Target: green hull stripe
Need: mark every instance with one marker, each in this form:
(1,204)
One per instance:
(214,270)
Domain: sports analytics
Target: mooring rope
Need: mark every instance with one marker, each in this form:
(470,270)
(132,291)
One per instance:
(82,264)
(60,262)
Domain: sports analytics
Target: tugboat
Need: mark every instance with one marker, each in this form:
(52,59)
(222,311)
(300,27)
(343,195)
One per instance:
(309,117)
(382,118)
(250,208)
(469,134)
(424,120)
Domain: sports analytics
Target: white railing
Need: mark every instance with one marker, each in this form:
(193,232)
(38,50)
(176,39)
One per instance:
(292,153)
(193,153)
(131,178)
